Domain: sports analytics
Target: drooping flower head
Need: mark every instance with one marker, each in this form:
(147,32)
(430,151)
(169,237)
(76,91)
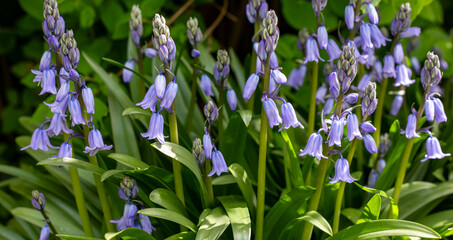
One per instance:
(289,118)
(218,163)
(342,171)
(96,143)
(433,149)
(156,128)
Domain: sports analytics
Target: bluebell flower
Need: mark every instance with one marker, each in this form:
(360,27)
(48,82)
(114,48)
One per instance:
(272,112)
(96,143)
(352,123)
(146,224)
(45,232)
(65,150)
(195,53)
(207,145)
(218,163)
(342,172)
(410,32)
(150,100)
(312,51)
(396,105)
(273,60)
(255,10)
(377,71)
(363,83)
(398,53)
(159,85)
(250,86)
(205,85)
(333,50)
(162,52)
(415,64)
(403,75)
(156,128)
(58,125)
(74,75)
(127,75)
(76,112)
(314,146)
(433,149)
(367,127)
(365,35)
(261,51)
(389,67)
(328,106)
(381,165)
(128,189)
(334,85)
(372,14)
(38,200)
(349,16)
(370,144)
(297,76)
(439,112)
(46,60)
(211,112)
(39,140)
(278,76)
(322,37)
(377,38)
(88,99)
(169,96)
(60,106)
(372,178)
(48,81)
(63,91)
(411,127)
(289,117)
(129,217)
(321,94)
(336,132)
(150,52)
(429,109)
(232,99)
(351,98)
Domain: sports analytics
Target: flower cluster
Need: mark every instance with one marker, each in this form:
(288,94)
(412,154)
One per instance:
(256,10)
(194,35)
(39,202)
(221,72)
(131,219)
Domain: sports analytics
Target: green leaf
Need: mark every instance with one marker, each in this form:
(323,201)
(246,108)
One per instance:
(128,161)
(237,68)
(130,234)
(371,210)
(313,217)
(245,186)
(439,221)
(185,157)
(223,180)
(118,64)
(168,200)
(290,206)
(123,133)
(383,228)
(136,111)
(170,216)
(71,237)
(182,236)
(87,16)
(213,225)
(239,216)
(110,173)
(352,214)
(111,83)
(294,161)
(32,7)
(395,210)
(7,233)
(72,162)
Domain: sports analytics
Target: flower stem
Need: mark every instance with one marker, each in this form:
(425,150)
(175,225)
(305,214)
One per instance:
(208,183)
(378,116)
(312,109)
(340,194)
(221,110)
(261,191)
(356,13)
(80,201)
(193,97)
(142,72)
(174,139)
(251,102)
(49,223)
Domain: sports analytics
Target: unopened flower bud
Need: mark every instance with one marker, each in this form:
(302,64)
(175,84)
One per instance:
(38,200)
(302,39)
(128,189)
(318,6)
(198,152)
(211,112)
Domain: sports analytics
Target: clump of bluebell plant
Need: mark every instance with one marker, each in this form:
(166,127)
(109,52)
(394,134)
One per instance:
(131,218)
(39,202)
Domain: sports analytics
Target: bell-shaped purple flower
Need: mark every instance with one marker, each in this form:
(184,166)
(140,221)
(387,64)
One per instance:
(336,132)
(370,144)
(328,106)
(439,112)
(273,60)
(88,99)
(433,149)
(398,53)
(150,100)
(365,35)
(45,62)
(411,127)
(261,51)
(367,127)
(312,51)
(415,64)
(352,123)
(334,84)
(195,53)
(76,112)
(377,71)
(48,82)
(159,85)
(396,105)
(389,67)
(169,96)
(372,14)
(289,117)
(322,37)
(96,143)
(297,76)
(250,86)
(74,75)
(45,232)
(272,112)
(63,91)
(156,128)
(207,145)
(232,99)
(65,150)
(342,172)
(146,224)
(39,140)
(333,50)
(429,109)
(150,53)
(372,179)
(403,75)
(127,75)
(59,106)
(377,38)
(205,85)
(58,125)
(321,94)
(314,147)
(349,16)
(218,163)
(381,165)
(410,32)
(351,98)
(361,87)
(278,76)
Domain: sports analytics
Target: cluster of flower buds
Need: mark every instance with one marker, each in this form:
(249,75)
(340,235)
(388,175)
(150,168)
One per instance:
(39,202)
(136,25)
(256,10)
(70,54)
(431,73)
(401,23)
(162,40)
(198,151)
(318,6)
(269,35)
(53,25)
(346,68)
(369,100)
(194,35)
(131,218)
(221,71)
